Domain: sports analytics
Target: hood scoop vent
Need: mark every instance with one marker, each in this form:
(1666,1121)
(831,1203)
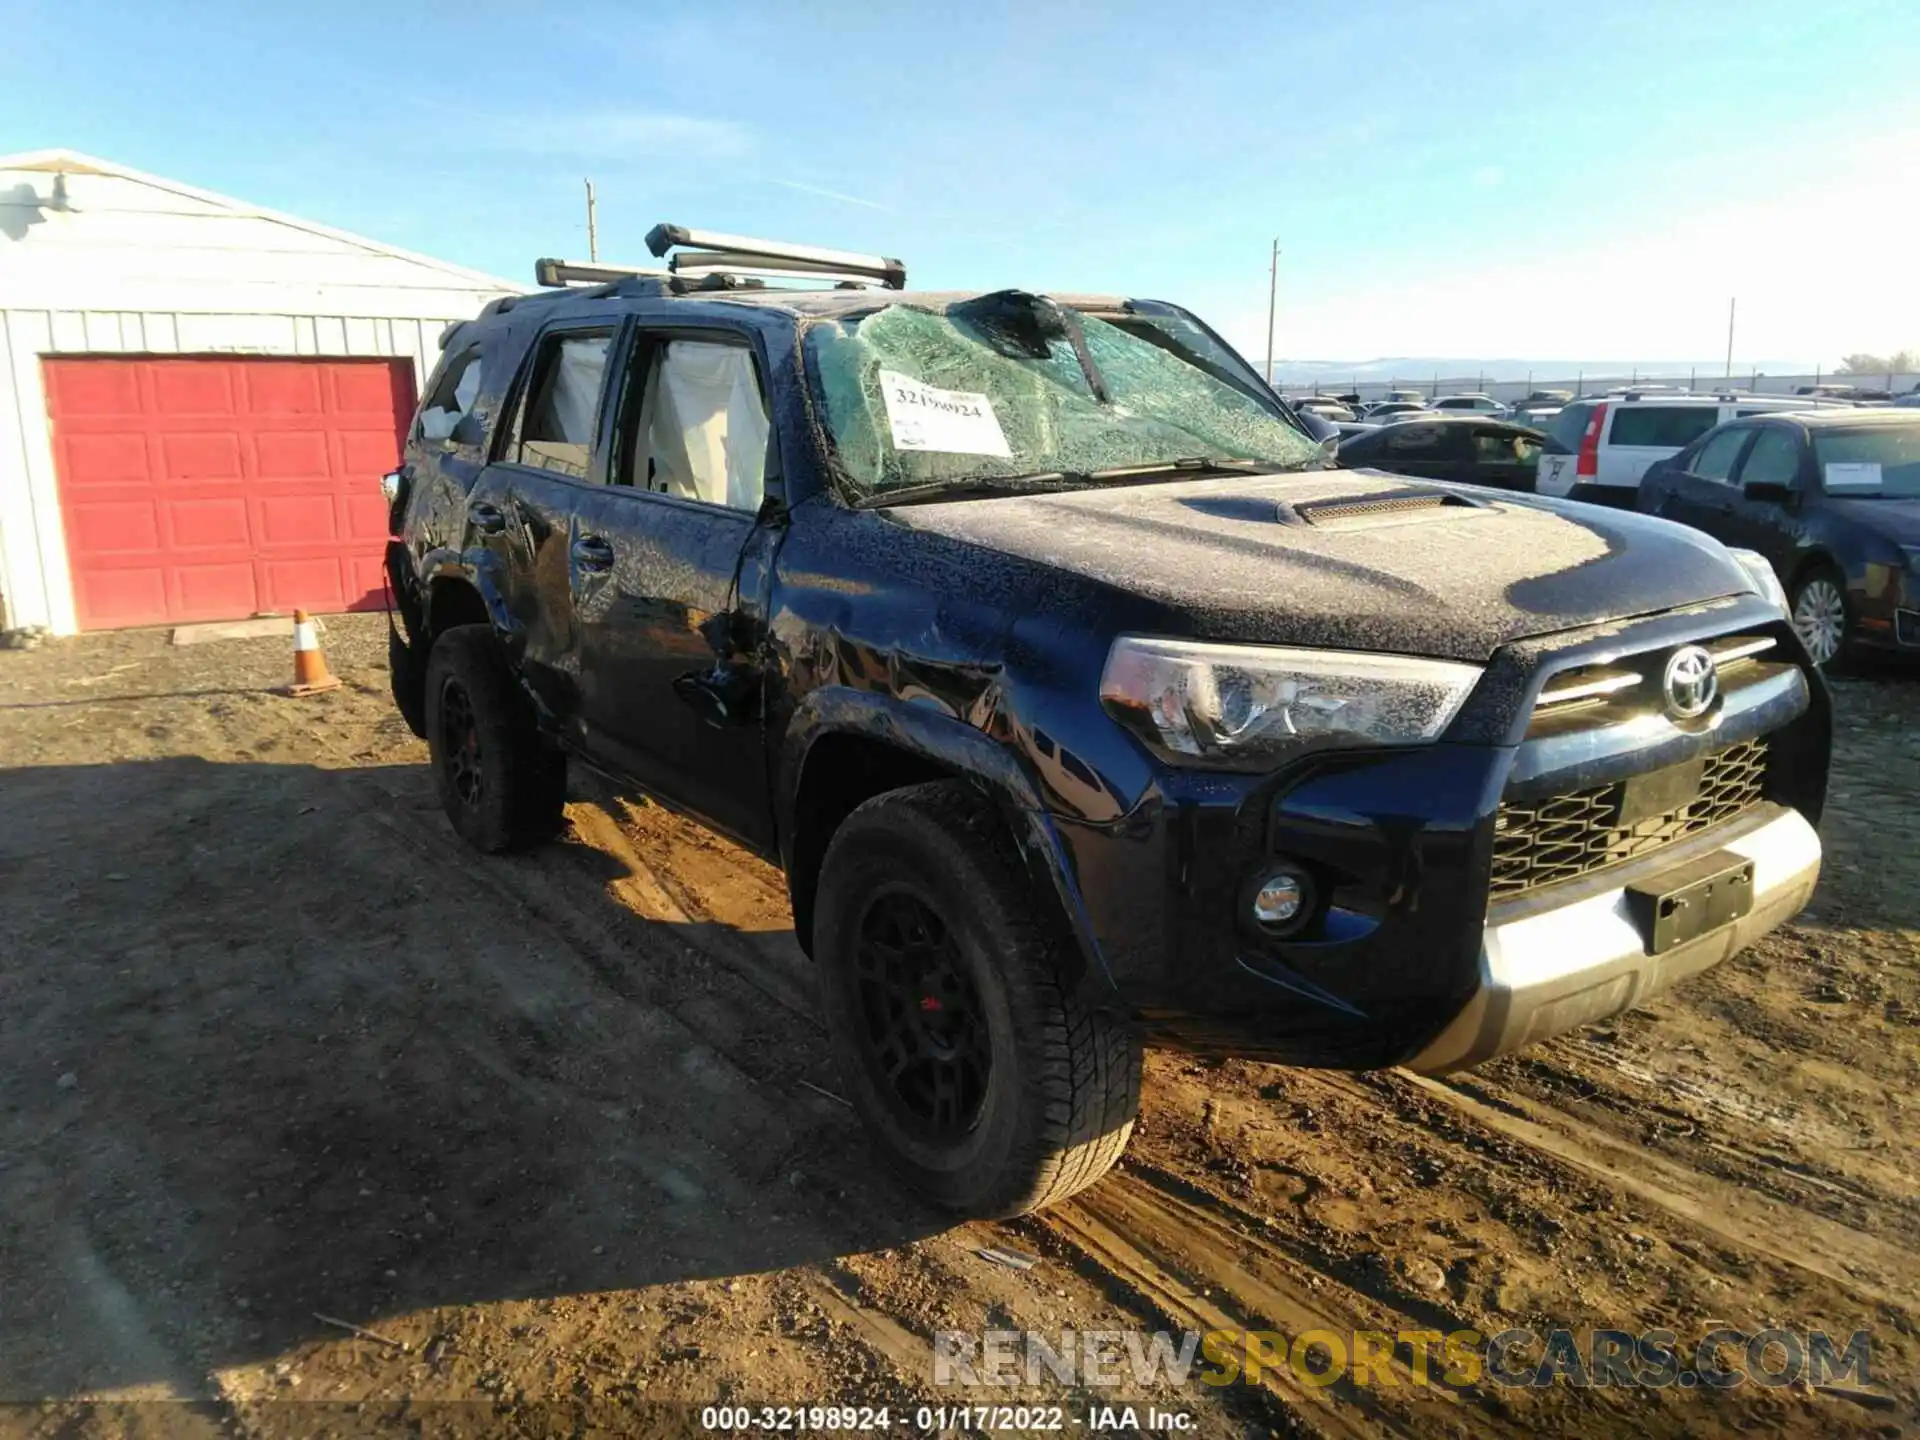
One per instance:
(1348,511)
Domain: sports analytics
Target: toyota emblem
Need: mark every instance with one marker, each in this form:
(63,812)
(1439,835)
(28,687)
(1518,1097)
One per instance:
(1691,683)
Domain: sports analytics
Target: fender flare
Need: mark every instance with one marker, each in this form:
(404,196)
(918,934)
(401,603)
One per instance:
(479,569)
(943,740)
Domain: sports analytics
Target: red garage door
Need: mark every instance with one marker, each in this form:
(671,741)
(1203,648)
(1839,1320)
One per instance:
(213,489)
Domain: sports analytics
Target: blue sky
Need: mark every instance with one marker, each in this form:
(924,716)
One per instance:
(1467,178)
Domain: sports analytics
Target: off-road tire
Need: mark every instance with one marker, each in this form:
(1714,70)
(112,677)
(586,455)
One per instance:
(1063,1086)
(407,675)
(520,783)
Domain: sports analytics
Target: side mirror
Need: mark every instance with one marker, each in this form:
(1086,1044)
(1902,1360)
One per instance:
(1769,491)
(1321,430)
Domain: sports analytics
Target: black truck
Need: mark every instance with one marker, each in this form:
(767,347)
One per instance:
(1082,701)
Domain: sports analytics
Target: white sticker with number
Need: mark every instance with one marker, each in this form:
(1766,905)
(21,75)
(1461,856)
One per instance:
(1854,475)
(957,422)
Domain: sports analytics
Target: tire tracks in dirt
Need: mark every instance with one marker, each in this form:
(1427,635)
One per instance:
(1733,1215)
(1203,1262)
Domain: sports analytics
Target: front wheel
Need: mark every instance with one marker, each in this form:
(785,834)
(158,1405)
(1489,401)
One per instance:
(991,1084)
(1820,615)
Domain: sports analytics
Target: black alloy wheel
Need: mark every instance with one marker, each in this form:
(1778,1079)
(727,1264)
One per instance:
(923,1030)
(460,743)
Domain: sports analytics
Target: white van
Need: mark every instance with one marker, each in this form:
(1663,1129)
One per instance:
(1602,447)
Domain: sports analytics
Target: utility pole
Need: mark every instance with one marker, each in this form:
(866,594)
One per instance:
(593,233)
(1730,305)
(1273,294)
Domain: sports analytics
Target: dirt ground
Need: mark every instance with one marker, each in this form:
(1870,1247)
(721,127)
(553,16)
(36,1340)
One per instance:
(560,1130)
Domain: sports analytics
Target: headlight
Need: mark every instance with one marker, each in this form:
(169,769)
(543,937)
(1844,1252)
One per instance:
(1765,582)
(1250,705)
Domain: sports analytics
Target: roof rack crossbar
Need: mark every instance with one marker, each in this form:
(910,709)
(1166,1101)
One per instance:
(811,261)
(577,272)
(816,279)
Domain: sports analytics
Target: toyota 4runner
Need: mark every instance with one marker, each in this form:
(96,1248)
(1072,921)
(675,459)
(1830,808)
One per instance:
(1081,701)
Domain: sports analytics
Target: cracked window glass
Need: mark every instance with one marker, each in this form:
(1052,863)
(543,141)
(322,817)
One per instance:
(913,398)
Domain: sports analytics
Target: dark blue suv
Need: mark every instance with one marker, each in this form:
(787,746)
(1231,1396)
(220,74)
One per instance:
(1082,701)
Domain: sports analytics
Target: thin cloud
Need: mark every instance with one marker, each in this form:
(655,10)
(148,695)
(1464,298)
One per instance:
(624,135)
(822,191)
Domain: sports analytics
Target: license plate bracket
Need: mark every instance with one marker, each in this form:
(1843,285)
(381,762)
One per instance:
(1688,900)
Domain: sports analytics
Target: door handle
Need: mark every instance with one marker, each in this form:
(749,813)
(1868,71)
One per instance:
(590,552)
(487,519)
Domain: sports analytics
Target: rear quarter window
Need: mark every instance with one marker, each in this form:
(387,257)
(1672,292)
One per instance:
(1568,426)
(1663,427)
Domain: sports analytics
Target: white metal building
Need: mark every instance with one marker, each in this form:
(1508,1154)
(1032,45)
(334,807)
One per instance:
(197,398)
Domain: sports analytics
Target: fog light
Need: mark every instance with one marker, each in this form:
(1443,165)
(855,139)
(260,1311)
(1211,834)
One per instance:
(1280,900)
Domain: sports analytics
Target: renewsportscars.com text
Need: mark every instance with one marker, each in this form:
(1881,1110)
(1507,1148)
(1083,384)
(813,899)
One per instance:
(1721,1358)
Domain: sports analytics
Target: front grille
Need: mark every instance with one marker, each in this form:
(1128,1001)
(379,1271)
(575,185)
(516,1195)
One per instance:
(1543,842)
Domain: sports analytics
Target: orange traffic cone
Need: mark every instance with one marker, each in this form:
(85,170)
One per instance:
(310,673)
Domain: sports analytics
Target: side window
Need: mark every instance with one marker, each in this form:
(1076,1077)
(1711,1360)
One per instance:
(1716,457)
(453,395)
(1409,440)
(700,429)
(1495,447)
(1774,459)
(554,425)
(1665,427)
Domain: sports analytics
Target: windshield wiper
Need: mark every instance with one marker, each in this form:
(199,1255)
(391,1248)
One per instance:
(1173,467)
(1041,482)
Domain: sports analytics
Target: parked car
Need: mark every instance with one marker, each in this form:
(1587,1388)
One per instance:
(1908,401)
(1478,403)
(1078,698)
(1601,448)
(1457,447)
(1831,498)
(1540,406)
(1325,407)
(1380,410)
(1854,393)
(1416,396)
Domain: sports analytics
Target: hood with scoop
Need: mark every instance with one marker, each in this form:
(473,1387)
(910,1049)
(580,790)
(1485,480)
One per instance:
(1352,559)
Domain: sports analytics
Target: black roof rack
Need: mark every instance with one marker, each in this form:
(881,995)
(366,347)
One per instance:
(591,272)
(702,253)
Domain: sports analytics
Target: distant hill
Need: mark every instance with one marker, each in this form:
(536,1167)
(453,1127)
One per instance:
(1422,368)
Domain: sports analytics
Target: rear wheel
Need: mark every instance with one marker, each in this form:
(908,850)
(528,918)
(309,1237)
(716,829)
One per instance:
(988,1082)
(408,678)
(1820,614)
(500,784)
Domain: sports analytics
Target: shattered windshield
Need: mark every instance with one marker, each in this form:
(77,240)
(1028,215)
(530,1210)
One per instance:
(1013,386)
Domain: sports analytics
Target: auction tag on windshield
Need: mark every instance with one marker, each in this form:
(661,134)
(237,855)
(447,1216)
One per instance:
(957,422)
(1854,475)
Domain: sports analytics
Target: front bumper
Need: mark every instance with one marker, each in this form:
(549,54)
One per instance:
(1418,954)
(1543,971)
